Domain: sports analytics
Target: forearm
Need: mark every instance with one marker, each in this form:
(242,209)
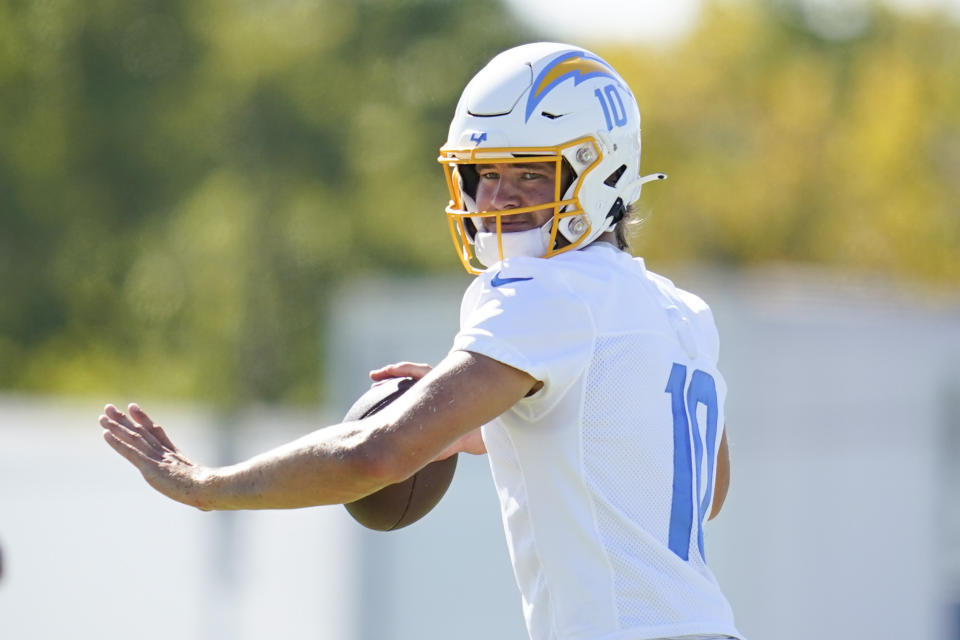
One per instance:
(324,467)
(337,464)
(346,462)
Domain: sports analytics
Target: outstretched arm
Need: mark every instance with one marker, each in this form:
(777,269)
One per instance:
(336,464)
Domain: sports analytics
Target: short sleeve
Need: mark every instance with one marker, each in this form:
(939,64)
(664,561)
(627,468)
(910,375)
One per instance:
(706,328)
(524,316)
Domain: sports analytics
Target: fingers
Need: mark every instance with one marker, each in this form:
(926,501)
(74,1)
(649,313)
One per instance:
(139,428)
(400,370)
(117,416)
(161,435)
(471,442)
(131,453)
(142,435)
(129,443)
(146,446)
(168,479)
(140,416)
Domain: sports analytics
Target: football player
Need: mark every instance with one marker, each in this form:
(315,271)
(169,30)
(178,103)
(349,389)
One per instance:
(590,382)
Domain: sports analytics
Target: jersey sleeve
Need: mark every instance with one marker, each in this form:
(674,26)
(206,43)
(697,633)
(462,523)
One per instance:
(524,316)
(697,312)
(707,337)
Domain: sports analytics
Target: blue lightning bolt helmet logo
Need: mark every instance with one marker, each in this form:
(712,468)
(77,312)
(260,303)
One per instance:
(578,65)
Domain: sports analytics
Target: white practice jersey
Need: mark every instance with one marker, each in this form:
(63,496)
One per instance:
(605,475)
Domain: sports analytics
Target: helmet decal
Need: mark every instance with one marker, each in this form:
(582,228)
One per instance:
(578,65)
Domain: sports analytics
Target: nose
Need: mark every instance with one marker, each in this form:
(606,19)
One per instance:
(506,195)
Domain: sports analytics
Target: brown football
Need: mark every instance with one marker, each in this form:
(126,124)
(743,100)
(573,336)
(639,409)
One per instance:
(398,505)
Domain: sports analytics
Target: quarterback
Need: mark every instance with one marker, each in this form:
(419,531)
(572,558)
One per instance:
(590,382)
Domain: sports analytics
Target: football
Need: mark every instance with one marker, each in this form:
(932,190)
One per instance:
(401,504)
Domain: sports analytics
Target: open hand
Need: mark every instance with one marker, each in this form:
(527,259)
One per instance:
(146,446)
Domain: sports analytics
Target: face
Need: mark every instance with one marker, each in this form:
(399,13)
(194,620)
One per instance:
(506,186)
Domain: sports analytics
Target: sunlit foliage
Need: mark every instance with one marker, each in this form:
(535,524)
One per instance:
(182,183)
(783,144)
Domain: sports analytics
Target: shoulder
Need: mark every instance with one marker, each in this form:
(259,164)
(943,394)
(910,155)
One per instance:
(578,283)
(525,290)
(692,301)
(525,279)
(694,309)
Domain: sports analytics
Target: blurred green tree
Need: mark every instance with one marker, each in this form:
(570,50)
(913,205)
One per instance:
(791,135)
(182,183)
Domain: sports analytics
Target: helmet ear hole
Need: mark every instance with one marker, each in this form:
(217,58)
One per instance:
(617,211)
(567,175)
(614,177)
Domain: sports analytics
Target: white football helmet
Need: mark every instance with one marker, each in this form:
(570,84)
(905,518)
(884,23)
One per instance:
(552,103)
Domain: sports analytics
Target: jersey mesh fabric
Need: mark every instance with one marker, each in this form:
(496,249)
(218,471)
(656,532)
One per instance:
(584,468)
(633,485)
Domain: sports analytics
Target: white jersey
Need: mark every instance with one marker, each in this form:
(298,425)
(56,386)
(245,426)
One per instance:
(605,475)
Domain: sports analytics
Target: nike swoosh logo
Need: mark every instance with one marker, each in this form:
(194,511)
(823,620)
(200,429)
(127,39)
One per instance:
(497,280)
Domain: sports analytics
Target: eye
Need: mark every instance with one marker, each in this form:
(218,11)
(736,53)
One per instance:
(489,174)
(532,175)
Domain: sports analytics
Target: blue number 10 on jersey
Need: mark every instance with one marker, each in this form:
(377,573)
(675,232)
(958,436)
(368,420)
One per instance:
(690,500)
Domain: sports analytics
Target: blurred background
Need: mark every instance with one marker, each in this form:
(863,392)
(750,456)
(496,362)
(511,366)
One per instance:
(230,212)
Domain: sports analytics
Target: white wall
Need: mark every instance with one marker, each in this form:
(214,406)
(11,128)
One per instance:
(90,551)
(838,415)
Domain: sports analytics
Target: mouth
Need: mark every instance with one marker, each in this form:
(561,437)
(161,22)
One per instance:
(509,224)
(512,227)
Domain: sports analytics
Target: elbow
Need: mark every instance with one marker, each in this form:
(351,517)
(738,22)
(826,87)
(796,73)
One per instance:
(376,464)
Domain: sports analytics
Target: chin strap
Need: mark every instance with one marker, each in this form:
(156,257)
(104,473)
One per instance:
(533,243)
